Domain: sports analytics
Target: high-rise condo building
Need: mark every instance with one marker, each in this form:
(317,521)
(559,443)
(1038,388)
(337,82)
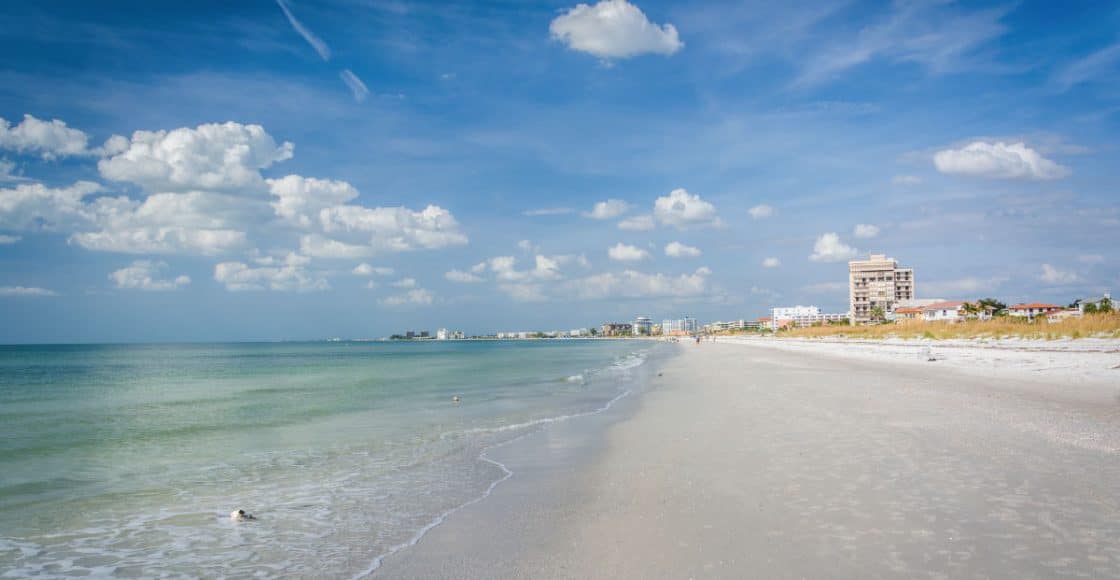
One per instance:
(877,283)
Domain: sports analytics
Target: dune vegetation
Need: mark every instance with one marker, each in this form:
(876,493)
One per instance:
(1101,325)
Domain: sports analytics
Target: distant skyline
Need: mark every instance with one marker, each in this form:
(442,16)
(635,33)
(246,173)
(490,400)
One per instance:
(309,169)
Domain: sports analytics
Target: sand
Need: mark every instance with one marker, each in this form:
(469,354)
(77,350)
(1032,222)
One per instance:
(767,460)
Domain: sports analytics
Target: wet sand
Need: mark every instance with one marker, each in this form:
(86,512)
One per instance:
(745,460)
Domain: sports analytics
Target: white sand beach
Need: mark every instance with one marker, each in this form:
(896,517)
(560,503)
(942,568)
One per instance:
(786,460)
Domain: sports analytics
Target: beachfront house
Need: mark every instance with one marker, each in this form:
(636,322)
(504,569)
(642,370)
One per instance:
(1097,302)
(949,311)
(907,313)
(1032,309)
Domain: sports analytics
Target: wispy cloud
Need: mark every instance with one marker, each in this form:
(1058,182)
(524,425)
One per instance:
(547,211)
(1093,66)
(315,42)
(357,87)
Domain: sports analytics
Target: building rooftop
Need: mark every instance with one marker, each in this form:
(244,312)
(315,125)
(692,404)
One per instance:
(1033,306)
(951,304)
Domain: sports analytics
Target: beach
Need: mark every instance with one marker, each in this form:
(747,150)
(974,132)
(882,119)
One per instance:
(783,459)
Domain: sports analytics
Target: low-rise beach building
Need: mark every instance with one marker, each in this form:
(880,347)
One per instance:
(616,329)
(680,327)
(1032,309)
(948,311)
(802,316)
(1097,302)
(643,326)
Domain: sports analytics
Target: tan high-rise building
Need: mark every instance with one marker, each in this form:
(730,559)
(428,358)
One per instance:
(877,282)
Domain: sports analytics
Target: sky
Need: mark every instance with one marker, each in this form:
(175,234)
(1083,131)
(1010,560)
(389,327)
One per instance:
(303,169)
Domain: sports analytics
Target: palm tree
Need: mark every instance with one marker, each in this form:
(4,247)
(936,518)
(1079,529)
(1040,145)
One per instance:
(877,314)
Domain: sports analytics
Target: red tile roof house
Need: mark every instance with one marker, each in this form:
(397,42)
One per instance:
(907,313)
(1032,309)
(943,311)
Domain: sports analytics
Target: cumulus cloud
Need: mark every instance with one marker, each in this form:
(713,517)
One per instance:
(634,284)
(505,268)
(1090,258)
(605,210)
(679,250)
(463,277)
(288,275)
(315,42)
(829,248)
(865,231)
(1052,275)
(405,283)
(36,207)
(640,223)
(299,199)
(528,246)
(357,88)
(394,229)
(613,29)
(6,239)
(146,275)
(26,291)
(417,297)
(47,139)
(364,269)
(761,211)
(213,157)
(771,263)
(621,252)
(998,160)
(682,209)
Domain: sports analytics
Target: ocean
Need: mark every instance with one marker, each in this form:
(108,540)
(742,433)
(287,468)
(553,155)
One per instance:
(127,459)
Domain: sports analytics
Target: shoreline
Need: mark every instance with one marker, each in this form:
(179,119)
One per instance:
(757,460)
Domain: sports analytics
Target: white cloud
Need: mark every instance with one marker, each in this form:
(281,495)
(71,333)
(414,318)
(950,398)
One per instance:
(1094,67)
(419,296)
(315,42)
(1052,275)
(605,210)
(505,270)
(771,263)
(865,231)
(829,248)
(213,157)
(679,250)
(289,275)
(626,253)
(48,139)
(35,207)
(395,229)
(761,211)
(640,223)
(528,246)
(26,291)
(906,180)
(998,160)
(300,199)
(463,277)
(145,275)
(357,88)
(405,283)
(633,284)
(682,209)
(6,168)
(364,269)
(613,29)
(546,211)
(6,239)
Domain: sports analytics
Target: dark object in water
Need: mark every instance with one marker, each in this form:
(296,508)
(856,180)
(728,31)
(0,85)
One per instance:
(455,399)
(240,515)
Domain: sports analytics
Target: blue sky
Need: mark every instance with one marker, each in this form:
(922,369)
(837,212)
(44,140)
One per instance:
(305,169)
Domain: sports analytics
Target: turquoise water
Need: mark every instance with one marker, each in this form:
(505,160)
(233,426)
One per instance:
(127,459)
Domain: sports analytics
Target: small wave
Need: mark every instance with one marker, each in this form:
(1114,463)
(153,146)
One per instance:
(507,473)
(575,379)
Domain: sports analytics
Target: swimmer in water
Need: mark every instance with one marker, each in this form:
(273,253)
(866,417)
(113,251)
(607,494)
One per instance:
(240,515)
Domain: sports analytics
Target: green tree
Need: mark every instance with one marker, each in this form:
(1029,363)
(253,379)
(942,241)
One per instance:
(877,314)
(970,309)
(1090,308)
(994,306)
(1105,305)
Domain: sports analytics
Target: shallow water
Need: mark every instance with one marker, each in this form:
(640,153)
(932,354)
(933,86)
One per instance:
(127,459)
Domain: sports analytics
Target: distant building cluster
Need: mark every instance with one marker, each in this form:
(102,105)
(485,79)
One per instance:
(879,291)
